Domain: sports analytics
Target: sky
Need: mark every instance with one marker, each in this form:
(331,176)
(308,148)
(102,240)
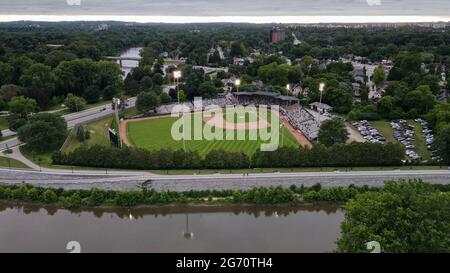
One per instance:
(253,11)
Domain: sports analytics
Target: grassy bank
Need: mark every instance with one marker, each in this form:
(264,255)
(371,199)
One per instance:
(11,163)
(73,199)
(3,123)
(98,135)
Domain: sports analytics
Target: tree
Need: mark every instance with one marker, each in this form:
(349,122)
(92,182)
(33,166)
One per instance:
(39,83)
(379,75)
(74,103)
(7,92)
(404,217)
(130,86)
(147,101)
(386,105)
(207,90)
(110,92)
(43,132)
(3,104)
(364,94)
(443,143)
(433,82)
(181,96)
(340,99)
(75,76)
(108,73)
(165,98)
(82,134)
(421,100)
(23,107)
(333,132)
(92,94)
(274,74)
(6,73)
(237,49)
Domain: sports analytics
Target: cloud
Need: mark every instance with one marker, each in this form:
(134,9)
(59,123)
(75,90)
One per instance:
(228,7)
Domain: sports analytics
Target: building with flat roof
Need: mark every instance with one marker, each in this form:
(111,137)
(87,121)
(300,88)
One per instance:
(277,35)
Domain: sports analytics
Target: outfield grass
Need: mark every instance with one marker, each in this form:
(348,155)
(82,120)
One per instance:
(155,134)
(11,163)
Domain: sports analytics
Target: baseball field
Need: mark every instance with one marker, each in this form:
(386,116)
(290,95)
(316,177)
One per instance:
(155,133)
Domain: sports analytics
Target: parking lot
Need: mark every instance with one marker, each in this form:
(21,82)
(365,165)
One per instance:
(404,134)
(369,132)
(429,139)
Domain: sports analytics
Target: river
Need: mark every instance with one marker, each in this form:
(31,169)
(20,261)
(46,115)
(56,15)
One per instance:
(127,65)
(33,228)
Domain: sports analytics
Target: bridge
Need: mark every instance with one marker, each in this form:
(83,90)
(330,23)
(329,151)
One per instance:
(120,59)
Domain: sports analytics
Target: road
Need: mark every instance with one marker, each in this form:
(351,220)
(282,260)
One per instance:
(130,180)
(72,120)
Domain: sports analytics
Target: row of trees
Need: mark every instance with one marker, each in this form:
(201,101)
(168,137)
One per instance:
(82,77)
(73,199)
(352,155)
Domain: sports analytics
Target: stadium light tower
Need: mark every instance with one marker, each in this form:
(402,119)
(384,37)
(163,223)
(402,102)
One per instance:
(321,88)
(177,76)
(237,82)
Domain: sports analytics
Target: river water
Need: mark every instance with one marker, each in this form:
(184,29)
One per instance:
(127,65)
(171,229)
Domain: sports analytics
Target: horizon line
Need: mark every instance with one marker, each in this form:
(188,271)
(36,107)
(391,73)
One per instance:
(227,19)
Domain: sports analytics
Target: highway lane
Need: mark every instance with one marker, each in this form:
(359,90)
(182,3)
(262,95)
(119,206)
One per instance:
(129,180)
(72,120)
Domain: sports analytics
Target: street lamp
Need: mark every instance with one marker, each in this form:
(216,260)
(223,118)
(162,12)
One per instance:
(177,76)
(237,82)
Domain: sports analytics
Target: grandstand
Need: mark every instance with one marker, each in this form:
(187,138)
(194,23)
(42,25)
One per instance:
(300,118)
(303,121)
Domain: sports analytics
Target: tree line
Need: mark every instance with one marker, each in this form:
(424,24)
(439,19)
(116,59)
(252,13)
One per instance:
(352,155)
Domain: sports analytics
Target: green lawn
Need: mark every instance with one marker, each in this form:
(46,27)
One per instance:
(41,158)
(419,141)
(385,129)
(11,163)
(156,134)
(99,135)
(3,123)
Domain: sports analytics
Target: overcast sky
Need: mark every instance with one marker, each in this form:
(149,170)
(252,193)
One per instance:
(109,9)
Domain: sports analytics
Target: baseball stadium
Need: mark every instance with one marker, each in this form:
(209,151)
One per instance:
(238,120)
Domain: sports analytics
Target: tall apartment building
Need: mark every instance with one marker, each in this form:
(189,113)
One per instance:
(277,35)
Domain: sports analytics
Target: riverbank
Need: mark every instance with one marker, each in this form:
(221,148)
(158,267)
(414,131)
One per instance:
(74,199)
(146,196)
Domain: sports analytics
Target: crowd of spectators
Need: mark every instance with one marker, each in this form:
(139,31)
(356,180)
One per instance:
(303,121)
